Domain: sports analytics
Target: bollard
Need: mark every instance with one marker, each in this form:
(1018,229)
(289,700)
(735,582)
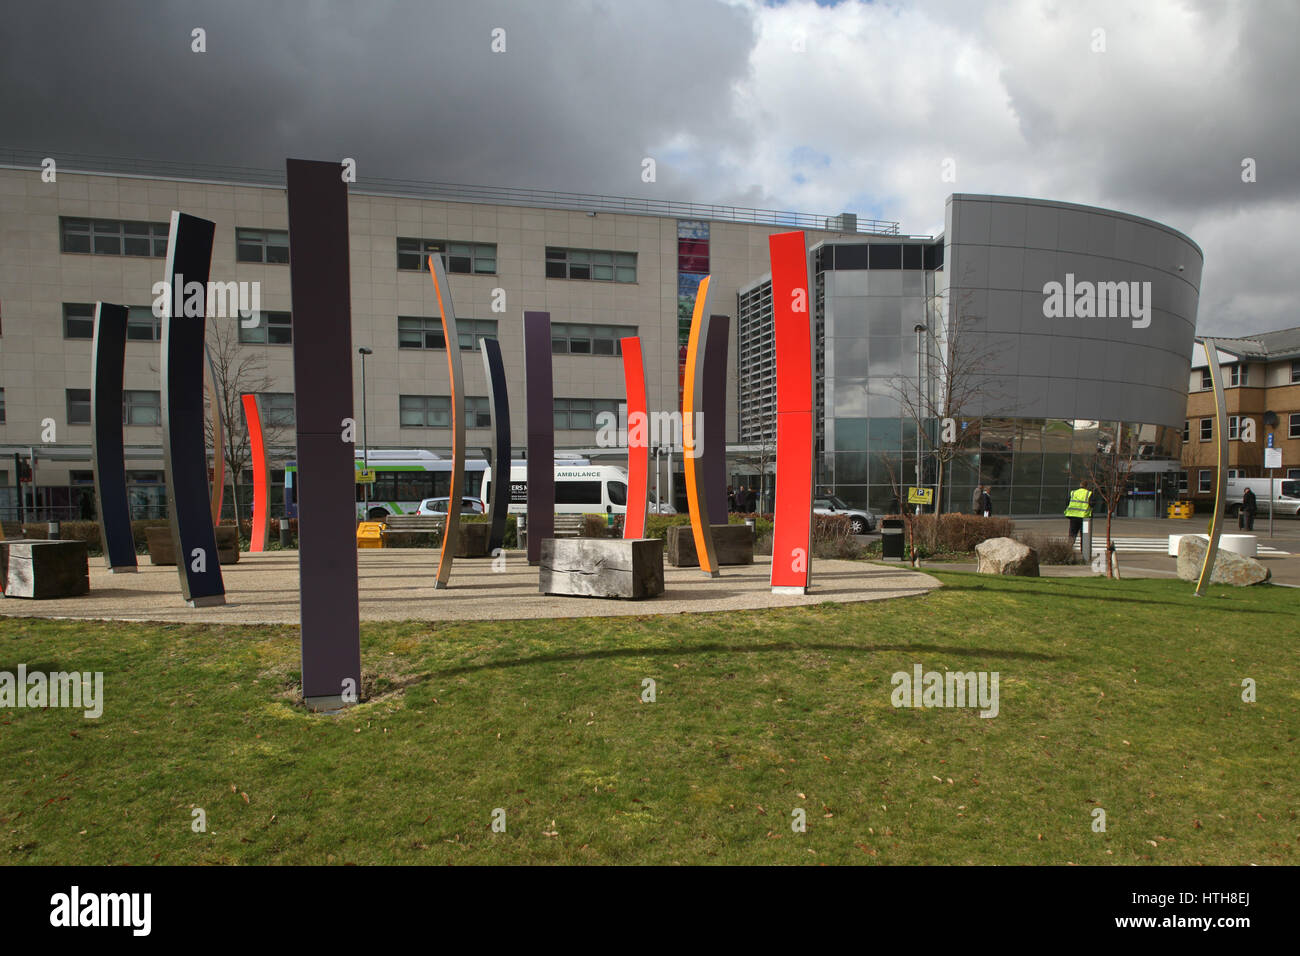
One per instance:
(1085,539)
(753,527)
(286,534)
(52,531)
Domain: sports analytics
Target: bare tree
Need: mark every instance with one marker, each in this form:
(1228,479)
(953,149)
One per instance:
(961,373)
(236,372)
(1111,471)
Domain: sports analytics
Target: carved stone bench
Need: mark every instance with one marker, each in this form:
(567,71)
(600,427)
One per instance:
(602,567)
(44,569)
(162,551)
(732,544)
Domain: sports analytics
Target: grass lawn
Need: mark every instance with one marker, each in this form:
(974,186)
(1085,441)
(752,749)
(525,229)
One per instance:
(1121,695)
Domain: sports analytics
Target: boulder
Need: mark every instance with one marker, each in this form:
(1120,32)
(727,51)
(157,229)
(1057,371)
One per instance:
(1007,556)
(1229,567)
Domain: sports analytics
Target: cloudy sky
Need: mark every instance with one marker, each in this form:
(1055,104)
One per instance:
(1148,106)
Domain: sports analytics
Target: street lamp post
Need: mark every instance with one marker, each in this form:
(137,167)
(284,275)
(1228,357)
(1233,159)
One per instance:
(365,445)
(920,401)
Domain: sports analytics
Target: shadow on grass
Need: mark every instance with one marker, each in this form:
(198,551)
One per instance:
(776,647)
(1093,596)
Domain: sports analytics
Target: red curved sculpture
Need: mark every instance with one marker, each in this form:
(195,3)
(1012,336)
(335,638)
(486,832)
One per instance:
(261,524)
(638,439)
(792,534)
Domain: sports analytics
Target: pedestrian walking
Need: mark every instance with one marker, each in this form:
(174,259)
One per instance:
(986,503)
(1246,516)
(1080,507)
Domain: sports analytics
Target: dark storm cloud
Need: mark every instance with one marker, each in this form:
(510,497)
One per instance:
(582,93)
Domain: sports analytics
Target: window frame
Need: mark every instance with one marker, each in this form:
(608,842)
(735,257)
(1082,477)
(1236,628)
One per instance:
(455,254)
(124,232)
(563,262)
(1206,429)
(260,239)
(72,399)
(469,330)
(278,319)
(1205,481)
(131,404)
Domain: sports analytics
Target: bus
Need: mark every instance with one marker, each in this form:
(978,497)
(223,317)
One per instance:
(403,479)
(580,488)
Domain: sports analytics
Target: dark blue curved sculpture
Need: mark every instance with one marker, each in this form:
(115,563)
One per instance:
(714,407)
(499,408)
(107,452)
(540,390)
(185,452)
(320,285)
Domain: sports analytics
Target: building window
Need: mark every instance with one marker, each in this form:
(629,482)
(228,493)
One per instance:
(466,258)
(424,411)
(569,338)
(261,245)
(78,400)
(422,332)
(1237,374)
(1234,473)
(1182,482)
(1204,481)
(112,237)
(1293,426)
(277,409)
(81,477)
(1292,474)
(1207,381)
(478,412)
(1234,427)
(272,328)
(1207,429)
(1187,431)
(1295,371)
(142,325)
(141,407)
(78,320)
(590,264)
(580,413)
(2,406)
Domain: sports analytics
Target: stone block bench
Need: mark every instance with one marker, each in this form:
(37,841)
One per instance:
(44,569)
(732,544)
(602,567)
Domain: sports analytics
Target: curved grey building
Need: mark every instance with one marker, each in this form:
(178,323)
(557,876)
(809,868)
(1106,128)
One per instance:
(1045,329)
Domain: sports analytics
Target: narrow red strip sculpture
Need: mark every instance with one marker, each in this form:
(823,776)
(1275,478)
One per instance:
(261,525)
(792,331)
(638,439)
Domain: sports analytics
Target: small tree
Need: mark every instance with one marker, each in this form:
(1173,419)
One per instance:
(1111,472)
(236,371)
(961,372)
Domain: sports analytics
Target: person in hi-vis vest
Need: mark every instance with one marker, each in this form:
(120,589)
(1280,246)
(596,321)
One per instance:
(1080,507)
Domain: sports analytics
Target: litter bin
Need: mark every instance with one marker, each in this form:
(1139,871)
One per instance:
(891,539)
(286,534)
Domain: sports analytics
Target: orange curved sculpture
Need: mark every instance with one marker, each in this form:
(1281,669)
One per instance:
(451,338)
(261,524)
(638,439)
(692,399)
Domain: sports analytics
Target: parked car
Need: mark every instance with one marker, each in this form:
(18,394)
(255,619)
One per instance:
(438,506)
(861,520)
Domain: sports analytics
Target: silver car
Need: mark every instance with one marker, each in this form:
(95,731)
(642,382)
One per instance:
(861,520)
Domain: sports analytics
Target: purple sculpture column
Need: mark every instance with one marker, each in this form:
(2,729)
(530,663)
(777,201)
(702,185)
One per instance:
(541,431)
(713,456)
(322,374)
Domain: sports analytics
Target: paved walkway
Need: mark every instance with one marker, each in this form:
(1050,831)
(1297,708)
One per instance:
(397,584)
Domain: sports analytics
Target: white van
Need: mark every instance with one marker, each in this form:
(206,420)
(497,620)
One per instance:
(580,488)
(1286,495)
